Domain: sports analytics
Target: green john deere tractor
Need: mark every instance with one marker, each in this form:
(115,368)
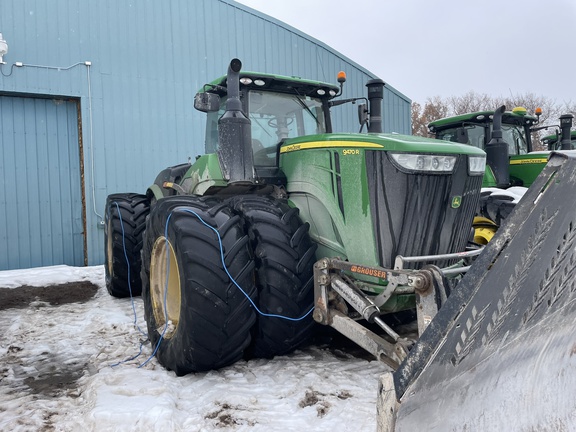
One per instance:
(288,223)
(554,141)
(476,129)
(514,165)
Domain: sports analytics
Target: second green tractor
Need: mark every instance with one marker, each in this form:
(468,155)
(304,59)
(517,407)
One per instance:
(513,162)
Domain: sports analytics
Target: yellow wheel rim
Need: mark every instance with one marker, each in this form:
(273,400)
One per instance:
(484,230)
(483,235)
(165,287)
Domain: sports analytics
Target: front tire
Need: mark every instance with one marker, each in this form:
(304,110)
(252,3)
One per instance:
(124,223)
(201,318)
(285,257)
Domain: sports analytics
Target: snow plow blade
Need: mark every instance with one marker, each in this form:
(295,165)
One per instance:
(501,352)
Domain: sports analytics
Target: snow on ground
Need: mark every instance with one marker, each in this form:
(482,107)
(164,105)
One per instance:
(57,372)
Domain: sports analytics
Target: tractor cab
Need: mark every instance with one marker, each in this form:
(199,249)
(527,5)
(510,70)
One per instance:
(512,164)
(553,142)
(279,108)
(476,129)
(251,116)
(269,111)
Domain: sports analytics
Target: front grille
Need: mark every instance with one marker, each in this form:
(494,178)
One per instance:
(412,213)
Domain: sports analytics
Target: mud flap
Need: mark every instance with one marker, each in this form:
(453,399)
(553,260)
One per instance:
(501,353)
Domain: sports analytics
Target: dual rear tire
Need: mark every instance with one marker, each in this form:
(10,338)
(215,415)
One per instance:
(201,315)
(124,223)
(284,257)
(197,317)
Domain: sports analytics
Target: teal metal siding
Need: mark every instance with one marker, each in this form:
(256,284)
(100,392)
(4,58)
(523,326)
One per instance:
(147,59)
(40,196)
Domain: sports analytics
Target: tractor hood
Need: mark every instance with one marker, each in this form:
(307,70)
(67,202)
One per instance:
(387,142)
(371,197)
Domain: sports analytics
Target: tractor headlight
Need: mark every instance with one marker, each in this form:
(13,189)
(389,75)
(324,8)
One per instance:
(476,165)
(424,162)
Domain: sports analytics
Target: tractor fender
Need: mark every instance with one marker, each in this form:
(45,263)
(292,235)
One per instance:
(154,192)
(173,174)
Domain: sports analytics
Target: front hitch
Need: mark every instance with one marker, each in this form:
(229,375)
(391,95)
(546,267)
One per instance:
(339,303)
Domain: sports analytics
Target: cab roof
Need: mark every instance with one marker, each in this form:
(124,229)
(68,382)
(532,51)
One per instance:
(551,139)
(276,83)
(482,117)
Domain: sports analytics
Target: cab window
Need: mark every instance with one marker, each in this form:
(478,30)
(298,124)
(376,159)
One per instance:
(274,117)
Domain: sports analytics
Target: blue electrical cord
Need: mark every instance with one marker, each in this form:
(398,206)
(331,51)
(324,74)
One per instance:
(131,358)
(230,276)
(129,270)
(167,245)
(129,287)
(168,274)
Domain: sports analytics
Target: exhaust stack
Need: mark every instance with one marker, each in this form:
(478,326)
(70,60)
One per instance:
(497,151)
(565,126)
(375,97)
(234,133)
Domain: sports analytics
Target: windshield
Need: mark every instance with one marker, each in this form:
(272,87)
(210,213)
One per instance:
(475,134)
(556,144)
(273,117)
(470,134)
(514,136)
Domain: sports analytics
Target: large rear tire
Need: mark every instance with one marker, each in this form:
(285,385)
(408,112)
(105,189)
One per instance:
(125,220)
(200,317)
(285,257)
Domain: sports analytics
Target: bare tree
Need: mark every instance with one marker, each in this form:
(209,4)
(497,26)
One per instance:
(530,101)
(549,117)
(470,102)
(418,123)
(569,108)
(437,107)
(434,108)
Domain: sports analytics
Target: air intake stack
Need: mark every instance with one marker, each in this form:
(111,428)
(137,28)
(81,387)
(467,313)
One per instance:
(234,133)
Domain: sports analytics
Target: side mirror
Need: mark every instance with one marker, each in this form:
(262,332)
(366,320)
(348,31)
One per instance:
(462,135)
(207,102)
(362,115)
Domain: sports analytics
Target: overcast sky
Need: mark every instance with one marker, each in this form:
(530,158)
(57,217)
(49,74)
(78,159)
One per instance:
(447,48)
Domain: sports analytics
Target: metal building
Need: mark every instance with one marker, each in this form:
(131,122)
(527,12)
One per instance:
(97,98)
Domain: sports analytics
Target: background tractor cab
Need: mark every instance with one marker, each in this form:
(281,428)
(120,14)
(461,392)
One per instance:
(512,165)
(476,129)
(555,141)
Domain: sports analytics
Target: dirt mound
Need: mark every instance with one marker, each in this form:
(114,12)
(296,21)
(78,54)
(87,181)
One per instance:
(54,295)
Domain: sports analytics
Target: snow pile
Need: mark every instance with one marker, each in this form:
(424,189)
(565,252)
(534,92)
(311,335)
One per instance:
(57,373)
